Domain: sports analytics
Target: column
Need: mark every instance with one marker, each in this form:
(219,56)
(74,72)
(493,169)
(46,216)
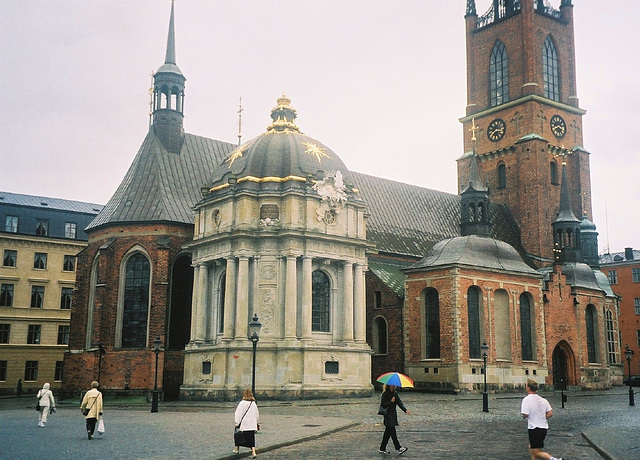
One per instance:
(195,301)
(290,299)
(307,290)
(201,316)
(359,310)
(242,305)
(230,300)
(347,295)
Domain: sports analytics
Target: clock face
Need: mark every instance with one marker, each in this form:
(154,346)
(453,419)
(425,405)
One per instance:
(558,126)
(496,130)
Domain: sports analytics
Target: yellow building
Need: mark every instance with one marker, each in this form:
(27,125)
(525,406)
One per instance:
(39,241)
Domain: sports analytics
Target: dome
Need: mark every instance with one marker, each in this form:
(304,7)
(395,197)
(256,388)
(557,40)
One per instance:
(475,251)
(586,225)
(281,158)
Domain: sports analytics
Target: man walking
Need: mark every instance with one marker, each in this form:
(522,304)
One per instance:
(536,410)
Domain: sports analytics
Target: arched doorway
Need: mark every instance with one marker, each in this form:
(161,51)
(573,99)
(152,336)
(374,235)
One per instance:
(563,366)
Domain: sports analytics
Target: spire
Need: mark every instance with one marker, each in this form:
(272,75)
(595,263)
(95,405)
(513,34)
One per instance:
(565,211)
(474,204)
(475,183)
(566,227)
(170,57)
(471,7)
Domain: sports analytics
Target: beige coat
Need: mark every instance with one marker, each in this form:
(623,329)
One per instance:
(93,401)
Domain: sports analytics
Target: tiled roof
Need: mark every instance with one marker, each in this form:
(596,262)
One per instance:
(49,203)
(163,186)
(618,257)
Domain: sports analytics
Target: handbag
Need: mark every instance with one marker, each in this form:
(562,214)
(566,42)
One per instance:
(382,410)
(101,426)
(38,406)
(238,435)
(86,410)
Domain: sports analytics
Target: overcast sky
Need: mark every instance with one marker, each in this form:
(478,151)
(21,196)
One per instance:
(382,83)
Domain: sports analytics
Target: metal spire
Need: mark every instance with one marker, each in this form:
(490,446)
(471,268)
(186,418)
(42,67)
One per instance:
(471,7)
(170,57)
(240,109)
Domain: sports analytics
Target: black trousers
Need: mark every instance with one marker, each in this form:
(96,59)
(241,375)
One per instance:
(389,432)
(91,425)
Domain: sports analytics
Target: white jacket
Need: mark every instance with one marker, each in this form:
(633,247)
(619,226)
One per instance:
(250,421)
(45,397)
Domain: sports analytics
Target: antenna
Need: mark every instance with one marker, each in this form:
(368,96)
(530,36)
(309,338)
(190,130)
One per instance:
(151,100)
(240,109)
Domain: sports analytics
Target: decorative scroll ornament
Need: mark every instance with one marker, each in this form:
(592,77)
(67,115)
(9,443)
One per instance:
(334,196)
(316,151)
(237,153)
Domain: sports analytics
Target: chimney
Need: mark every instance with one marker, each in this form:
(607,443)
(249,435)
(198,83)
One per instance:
(628,253)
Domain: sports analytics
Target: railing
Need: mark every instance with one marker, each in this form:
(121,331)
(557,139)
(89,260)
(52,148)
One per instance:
(502,9)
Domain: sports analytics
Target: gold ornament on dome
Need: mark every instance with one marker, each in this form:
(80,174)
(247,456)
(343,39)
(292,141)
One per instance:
(316,151)
(237,153)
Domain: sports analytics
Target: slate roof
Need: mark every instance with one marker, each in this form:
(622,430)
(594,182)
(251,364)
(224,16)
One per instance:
(49,203)
(390,273)
(619,257)
(163,186)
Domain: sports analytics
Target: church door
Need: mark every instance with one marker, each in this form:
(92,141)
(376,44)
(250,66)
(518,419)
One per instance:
(563,366)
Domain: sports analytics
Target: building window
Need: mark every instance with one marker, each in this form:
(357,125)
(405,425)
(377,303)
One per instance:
(502,175)
(638,337)
(70,230)
(58,372)
(223,287)
(40,260)
(31,371)
(613,277)
(377,299)
(6,295)
(65,298)
(553,172)
(33,334)
(63,335)
(37,296)
(5,332)
(551,70)
(380,346)
(525,327)
(590,317)
(3,371)
(432,323)
(69,264)
(636,305)
(10,258)
(635,274)
(42,227)
(331,367)
(499,75)
(136,302)
(611,338)
(11,224)
(320,302)
(473,311)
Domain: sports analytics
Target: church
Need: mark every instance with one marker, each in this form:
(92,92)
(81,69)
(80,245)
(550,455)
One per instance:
(352,275)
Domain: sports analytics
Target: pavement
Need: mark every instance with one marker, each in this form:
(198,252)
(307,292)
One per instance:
(593,425)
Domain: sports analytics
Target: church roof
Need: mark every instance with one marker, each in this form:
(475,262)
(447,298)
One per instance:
(161,186)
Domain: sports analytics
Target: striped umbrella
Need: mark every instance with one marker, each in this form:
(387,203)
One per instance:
(397,379)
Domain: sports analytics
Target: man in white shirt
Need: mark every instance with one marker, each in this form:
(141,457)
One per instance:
(536,410)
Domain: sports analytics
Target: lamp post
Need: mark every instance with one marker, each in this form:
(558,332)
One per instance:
(157,343)
(485,397)
(628,353)
(254,336)
(101,352)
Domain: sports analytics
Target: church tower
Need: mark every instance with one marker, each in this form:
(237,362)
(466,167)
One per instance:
(168,98)
(521,92)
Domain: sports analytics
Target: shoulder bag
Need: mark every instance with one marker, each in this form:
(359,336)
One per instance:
(86,410)
(38,401)
(238,436)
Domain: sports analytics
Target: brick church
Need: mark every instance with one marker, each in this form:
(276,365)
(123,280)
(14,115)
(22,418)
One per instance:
(352,275)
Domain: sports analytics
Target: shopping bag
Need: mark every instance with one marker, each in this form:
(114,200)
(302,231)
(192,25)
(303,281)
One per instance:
(101,426)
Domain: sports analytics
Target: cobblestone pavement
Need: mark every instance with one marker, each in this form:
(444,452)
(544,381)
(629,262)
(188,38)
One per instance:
(440,426)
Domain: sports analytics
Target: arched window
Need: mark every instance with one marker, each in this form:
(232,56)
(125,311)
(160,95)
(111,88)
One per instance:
(503,324)
(553,172)
(611,338)
(499,75)
(474,315)
(432,323)
(590,317)
(221,299)
(550,70)
(92,299)
(379,332)
(320,302)
(526,327)
(502,175)
(135,309)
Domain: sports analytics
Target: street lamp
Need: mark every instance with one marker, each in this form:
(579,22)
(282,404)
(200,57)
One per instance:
(485,397)
(101,351)
(157,343)
(254,336)
(628,353)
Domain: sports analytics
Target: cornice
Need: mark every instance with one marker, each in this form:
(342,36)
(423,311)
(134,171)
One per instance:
(520,101)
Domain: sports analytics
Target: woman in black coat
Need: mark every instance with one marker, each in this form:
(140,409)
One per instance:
(389,401)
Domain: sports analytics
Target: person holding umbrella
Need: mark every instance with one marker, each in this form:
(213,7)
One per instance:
(389,400)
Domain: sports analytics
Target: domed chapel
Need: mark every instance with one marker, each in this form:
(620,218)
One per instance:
(352,275)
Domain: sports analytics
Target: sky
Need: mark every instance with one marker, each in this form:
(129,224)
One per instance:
(381,83)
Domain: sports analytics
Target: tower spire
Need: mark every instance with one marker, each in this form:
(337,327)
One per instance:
(471,7)
(566,227)
(170,57)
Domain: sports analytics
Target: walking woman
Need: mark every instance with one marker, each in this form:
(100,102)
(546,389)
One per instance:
(246,420)
(389,401)
(92,408)
(47,403)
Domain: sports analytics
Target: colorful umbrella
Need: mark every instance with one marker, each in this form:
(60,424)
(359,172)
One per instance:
(397,379)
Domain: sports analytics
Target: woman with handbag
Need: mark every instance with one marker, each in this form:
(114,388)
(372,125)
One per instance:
(46,402)
(91,408)
(389,400)
(246,423)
